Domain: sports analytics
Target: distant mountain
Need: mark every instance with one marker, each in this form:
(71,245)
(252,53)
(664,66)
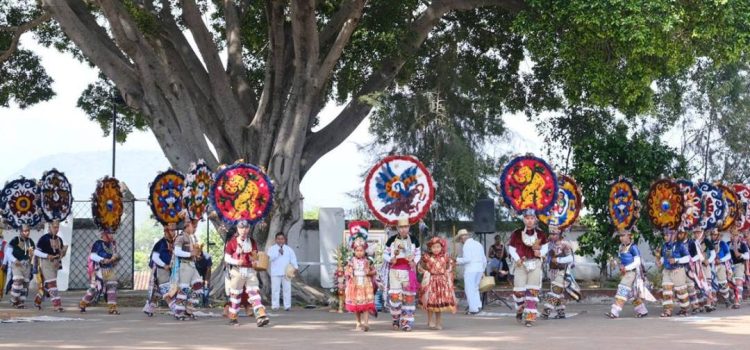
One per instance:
(135,168)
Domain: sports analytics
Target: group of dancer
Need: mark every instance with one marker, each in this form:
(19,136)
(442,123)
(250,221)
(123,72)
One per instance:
(403,260)
(26,260)
(698,272)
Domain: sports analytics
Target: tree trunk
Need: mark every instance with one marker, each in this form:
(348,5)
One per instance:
(603,273)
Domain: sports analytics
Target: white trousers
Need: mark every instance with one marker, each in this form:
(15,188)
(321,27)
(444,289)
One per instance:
(277,282)
(471,288)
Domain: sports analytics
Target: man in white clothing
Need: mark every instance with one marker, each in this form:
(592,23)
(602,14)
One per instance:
(281,256)
(474,262)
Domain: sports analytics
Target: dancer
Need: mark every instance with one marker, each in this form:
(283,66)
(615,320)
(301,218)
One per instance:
(20,265)
(402,254)
(631,277)
(50,250)
(438,293)
(102,262)
(240,255)
(360,285)
(528,246)
(674,256)
(559,260)
(160,263)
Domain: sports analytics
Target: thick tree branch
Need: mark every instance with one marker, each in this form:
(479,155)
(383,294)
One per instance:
(305,39)
(332,29)
(330,136)
(235,64)
(277,82)
(18,31)
(233,115)
(94,42)
(342,39)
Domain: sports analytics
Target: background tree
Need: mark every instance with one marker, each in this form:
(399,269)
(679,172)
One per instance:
(710,104)
(601,153)
(146,235)
(286,59)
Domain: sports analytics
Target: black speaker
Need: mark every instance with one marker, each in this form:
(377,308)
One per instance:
(484,216)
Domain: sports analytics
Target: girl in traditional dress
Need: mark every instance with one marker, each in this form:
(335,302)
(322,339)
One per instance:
(438,293)
(360,287)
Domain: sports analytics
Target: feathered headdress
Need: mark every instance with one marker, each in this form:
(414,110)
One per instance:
(358,231)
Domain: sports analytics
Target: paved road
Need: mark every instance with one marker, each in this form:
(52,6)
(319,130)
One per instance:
(320,329)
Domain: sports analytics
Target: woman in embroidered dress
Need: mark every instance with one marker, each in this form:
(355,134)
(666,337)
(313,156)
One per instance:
(360,293)
(438,294)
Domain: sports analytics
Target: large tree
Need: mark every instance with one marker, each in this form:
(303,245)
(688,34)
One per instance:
(251,77)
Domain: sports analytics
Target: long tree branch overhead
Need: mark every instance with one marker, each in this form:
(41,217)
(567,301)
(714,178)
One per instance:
(17,31)
(235,63)
(330,136)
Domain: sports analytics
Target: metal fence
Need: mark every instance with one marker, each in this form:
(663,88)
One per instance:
(85,233)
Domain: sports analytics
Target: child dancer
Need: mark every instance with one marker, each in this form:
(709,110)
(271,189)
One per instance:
(438,294)
(360,272)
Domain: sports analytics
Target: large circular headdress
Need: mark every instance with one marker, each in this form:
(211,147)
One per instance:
(732,207)
(691,198)
(197,189)
(242,192)
(18,203)
(743,193)
(665,204)
(528,182)
(165,196)
(399,186)
(623,205)
(714,207)
(106,204)
(567,205)
(55,195)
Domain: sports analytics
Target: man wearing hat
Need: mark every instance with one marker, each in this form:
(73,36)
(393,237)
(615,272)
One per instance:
(402,255)
(103,278)
(50,250)
(241,256)
(20,264)
(474,262)
(161,267)
(527,247)
(630,272)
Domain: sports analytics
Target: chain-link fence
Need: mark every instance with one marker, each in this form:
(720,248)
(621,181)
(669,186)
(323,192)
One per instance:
(85,233)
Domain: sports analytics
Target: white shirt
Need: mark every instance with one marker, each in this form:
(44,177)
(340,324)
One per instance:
(473,256)
(279,261)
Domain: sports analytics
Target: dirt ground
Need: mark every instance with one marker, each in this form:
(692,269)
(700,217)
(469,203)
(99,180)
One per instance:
(494,328)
